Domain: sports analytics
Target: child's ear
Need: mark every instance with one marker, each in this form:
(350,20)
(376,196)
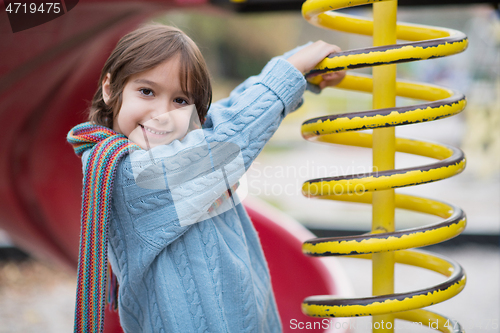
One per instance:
(106,88)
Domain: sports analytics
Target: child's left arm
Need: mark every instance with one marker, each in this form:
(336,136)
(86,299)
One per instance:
(200,168)
(254,110)
(303,58)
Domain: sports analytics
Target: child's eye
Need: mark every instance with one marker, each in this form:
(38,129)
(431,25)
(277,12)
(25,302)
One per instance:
(180,101)
(146,91)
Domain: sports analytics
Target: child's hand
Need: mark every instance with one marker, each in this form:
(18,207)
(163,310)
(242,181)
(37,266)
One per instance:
(308,57)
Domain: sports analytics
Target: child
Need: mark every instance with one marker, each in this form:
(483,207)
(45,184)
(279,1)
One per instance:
(184,251)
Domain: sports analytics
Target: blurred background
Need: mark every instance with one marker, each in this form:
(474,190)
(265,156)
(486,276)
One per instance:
(38,296)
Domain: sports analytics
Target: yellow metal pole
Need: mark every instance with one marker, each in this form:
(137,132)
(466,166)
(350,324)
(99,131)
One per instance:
(383,202)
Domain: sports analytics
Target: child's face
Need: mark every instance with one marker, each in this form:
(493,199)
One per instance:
(154,109)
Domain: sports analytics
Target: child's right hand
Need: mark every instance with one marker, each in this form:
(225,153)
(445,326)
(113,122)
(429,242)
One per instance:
(308,57)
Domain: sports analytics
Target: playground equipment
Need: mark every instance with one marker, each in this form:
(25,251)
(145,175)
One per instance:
(383,245)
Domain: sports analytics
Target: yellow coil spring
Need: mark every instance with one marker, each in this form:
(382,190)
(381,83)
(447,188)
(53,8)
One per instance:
(425,43)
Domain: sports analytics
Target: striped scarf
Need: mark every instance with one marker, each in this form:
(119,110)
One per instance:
(108,147)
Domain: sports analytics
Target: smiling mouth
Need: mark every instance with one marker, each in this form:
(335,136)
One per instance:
(154,131)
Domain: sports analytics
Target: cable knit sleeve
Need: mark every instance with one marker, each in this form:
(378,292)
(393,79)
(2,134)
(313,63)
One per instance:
(166,194)
(254,110)
(296,79)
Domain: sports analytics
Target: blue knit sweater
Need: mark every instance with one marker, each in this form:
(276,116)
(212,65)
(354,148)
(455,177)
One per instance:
(179,268)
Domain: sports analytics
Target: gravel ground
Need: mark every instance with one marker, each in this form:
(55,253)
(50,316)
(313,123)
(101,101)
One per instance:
(36,297)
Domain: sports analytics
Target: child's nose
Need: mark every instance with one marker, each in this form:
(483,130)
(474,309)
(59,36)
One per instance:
(162,118)
(162,110)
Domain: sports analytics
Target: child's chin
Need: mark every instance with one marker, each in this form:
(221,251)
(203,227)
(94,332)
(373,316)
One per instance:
(160,143)
(144,146)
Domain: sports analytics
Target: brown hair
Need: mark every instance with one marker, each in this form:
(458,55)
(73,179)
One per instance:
(143,49)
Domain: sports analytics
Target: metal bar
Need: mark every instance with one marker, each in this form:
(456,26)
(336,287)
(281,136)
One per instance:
(384,142)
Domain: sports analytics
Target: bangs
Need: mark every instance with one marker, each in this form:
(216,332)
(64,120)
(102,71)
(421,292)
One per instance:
(195,80)
(188,85)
